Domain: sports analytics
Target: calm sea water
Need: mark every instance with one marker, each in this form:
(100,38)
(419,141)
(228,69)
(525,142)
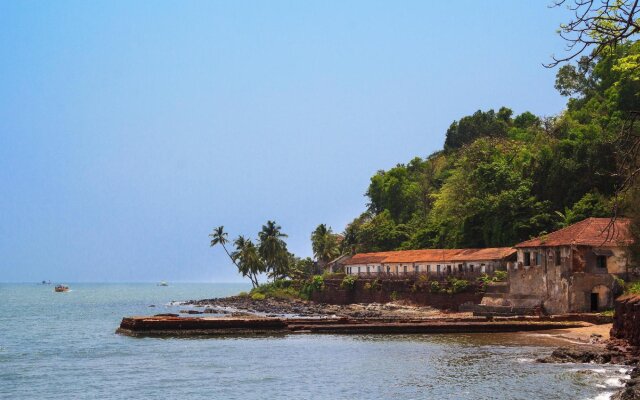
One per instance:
(63,346)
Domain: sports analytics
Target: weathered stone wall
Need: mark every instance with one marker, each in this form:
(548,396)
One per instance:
(626,321)
(566,287)
(387,290)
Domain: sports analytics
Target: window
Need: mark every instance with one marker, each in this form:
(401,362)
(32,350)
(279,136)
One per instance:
(538,258)
(358,269)
(601,262)
(527,258)
(368,269)
(557,257)
(388,269)
(416,268)
(471,268)
(429,269)
(404,269)
(438,269)
(459,267)
(448,269)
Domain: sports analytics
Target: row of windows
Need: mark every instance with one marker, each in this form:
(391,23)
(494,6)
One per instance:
(536,257)
(416,269)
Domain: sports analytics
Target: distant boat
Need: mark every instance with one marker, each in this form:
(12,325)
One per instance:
(163,283)
(61,288)
(46,283)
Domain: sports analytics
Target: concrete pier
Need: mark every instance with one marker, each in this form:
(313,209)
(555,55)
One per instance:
(172,326)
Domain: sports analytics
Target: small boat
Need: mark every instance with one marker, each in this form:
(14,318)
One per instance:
(163,283)
(61,288)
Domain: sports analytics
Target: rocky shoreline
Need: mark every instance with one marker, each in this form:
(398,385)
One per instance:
(245,306)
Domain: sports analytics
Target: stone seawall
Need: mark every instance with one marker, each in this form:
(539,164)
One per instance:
(382,291)
(626,321)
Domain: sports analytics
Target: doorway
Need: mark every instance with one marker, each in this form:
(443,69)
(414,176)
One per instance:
(594,302)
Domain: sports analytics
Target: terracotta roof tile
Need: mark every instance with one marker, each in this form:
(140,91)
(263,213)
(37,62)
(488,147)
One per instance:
(589,232)
(431,255)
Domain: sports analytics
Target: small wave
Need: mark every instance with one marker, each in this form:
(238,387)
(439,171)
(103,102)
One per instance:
(525,360)
(614,382)
(603,396)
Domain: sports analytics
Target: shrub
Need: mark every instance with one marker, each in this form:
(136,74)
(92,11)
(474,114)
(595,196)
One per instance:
(434,287)
(367,286)
(633,288)
(500,276)
(457,285)
(349,282)
(317,283)
(484,279)
(243,294)
(258,296)
(393,296)
(608,313)
(280,289)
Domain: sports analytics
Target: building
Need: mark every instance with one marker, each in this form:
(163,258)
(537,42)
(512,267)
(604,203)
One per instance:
(571,270)
(434,262)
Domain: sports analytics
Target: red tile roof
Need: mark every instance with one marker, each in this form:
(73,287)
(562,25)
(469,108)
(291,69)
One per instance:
(595,232)
(431,255)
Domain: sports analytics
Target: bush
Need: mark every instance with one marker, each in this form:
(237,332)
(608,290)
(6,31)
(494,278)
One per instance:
(258,296)
(243,294)
(349,282)
(457,285)
(633,288)
(280,289)
(500,276)
(393,296)
(434,287)
(317,283)
(607,313)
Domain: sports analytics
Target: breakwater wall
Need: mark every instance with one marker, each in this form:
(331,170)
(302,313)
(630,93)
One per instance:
(172,326)
(370,290)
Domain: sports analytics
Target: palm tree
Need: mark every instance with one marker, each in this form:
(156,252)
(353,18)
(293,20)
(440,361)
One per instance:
(219,236)
(273,249)
(247,259)
(324,244)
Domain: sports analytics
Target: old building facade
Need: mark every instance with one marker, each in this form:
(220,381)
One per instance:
(433,262)
(573,269)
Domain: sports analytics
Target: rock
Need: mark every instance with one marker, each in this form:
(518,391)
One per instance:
(166,315)
(579,355)
(630,392)
(190,312)
(152,305)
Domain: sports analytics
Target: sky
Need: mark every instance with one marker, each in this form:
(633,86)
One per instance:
(128,130)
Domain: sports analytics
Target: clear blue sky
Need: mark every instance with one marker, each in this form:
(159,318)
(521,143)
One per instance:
(128,130)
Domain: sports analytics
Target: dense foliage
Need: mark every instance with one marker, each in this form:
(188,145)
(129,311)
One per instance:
(502,179)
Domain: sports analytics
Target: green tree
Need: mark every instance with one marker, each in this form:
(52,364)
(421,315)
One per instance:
(324,244)
(273,250)
(219,237)
(248,259)
(478,125)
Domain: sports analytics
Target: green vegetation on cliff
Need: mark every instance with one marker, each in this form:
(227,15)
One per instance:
(501,179)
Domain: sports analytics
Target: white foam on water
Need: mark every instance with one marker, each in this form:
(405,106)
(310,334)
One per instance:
(525,360)
(614,382)
(603,396)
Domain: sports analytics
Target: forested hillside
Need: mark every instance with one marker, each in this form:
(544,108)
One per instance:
(503,178)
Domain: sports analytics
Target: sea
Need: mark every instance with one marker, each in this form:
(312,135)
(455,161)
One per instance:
(64,346)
